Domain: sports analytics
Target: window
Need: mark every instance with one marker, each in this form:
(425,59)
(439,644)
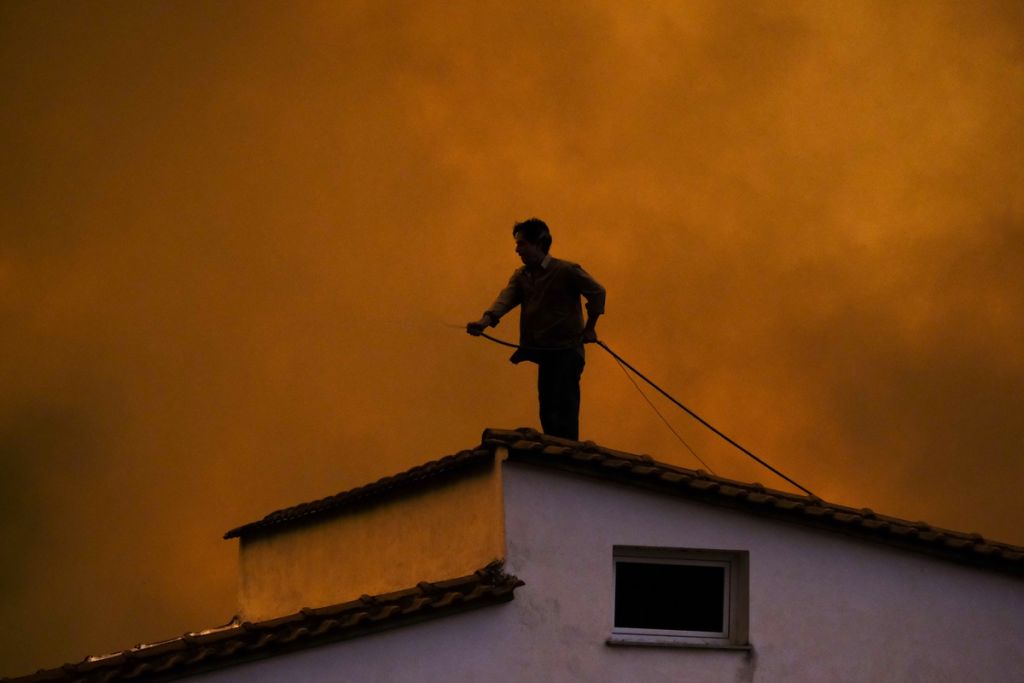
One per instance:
(687,597)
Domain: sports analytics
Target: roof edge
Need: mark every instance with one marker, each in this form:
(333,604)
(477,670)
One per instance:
(525,444)
(407,481)
(238,642)
(590,459)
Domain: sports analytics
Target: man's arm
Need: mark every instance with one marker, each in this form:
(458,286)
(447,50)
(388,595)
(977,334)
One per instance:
(595,294)
(589,333)
(507,299)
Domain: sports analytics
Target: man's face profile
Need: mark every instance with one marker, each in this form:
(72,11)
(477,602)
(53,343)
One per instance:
(529,252)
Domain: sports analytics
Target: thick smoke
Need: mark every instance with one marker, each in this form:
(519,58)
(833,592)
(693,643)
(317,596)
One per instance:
(232,235)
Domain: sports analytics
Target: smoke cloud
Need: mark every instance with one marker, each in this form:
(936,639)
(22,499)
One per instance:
(232,234)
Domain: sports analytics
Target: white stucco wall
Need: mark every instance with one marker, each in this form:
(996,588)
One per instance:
(823,608)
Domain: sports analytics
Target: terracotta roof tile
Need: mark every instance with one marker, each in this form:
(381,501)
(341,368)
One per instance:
(237,642)
(760,498)
(847,517)
(528,445)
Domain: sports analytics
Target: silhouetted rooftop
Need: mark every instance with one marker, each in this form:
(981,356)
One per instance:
(238,642)
(588,458)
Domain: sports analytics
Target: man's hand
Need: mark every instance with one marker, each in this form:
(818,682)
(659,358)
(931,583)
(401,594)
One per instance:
(477,328)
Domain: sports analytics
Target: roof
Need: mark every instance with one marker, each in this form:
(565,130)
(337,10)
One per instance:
(587,458)
(527,445)
(432,472)
(238,642)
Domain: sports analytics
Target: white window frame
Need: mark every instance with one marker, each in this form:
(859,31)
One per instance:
(735,601)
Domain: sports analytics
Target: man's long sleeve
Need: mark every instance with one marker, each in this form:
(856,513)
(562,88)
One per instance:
(507,299)
(591,289)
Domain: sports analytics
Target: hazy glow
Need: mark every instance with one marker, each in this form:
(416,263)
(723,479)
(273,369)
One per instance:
(232,234)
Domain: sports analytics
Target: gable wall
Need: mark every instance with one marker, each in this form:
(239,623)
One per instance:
(451,528)
(823,607)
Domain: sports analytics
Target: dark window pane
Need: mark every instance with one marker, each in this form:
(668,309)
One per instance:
(676,597)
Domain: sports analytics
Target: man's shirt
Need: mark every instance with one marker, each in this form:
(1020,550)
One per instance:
(551,316)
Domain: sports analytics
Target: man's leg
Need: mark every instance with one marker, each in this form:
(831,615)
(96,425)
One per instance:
(558,388)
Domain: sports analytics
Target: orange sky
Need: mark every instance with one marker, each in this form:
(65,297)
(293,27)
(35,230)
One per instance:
(233,232)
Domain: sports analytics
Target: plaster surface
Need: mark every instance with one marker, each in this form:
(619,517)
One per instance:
(822,606)
(446,530)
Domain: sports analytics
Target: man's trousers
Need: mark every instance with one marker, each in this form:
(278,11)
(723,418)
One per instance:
(558,387)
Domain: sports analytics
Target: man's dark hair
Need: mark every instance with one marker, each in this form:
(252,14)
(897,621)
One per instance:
(533,230)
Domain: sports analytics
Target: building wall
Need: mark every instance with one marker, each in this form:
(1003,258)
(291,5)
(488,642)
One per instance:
(823,607)
(448,529)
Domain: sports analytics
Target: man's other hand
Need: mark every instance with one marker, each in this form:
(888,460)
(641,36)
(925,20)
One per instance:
(477,328)
(589,336)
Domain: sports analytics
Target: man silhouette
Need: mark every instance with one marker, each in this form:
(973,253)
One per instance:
(551,326)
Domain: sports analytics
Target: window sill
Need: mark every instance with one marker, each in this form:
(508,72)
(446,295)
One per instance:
(620,640)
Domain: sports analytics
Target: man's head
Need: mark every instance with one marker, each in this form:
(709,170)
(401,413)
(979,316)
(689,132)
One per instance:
(533,239)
